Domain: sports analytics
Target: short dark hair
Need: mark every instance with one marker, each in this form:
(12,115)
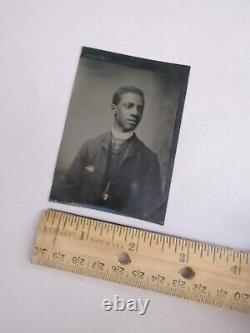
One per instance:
(126,89)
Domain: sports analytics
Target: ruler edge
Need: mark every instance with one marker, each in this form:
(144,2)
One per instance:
(201,300)
(45,211)
(179,295)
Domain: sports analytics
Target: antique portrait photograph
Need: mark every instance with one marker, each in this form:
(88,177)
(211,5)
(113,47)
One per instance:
(120,138)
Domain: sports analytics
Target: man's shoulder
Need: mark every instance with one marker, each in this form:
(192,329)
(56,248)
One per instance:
(97,141)
(100,138)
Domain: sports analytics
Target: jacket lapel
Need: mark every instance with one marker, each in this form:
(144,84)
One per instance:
(101,162)
(130,151)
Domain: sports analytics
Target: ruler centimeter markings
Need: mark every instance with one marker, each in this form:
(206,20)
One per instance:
(171,265)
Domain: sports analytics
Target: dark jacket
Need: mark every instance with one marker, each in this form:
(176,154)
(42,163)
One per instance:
(135,190)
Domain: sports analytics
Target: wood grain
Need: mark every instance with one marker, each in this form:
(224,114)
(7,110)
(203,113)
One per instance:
(220,276)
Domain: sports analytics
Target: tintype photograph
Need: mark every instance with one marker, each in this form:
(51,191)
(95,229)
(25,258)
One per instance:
(120,138)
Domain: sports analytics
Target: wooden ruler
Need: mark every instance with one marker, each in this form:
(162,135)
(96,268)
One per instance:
(170,265)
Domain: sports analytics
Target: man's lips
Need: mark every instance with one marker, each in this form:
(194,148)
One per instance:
(132,121)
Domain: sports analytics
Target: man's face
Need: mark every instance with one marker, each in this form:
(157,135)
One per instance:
(128,112)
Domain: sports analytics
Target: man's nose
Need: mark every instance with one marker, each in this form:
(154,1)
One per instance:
(134,111)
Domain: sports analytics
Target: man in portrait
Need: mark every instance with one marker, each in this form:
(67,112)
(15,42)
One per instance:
(116,171)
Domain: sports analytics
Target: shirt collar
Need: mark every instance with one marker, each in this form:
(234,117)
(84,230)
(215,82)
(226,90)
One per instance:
(123,136)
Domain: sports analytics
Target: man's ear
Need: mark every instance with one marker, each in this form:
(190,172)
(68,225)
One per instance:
(113,108)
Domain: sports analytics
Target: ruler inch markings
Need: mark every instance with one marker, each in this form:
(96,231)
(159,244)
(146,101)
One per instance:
(163,244)
(221,276)
(87,235)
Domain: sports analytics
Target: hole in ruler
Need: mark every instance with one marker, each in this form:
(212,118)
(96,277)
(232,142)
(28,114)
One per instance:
(123,258)
(187,272)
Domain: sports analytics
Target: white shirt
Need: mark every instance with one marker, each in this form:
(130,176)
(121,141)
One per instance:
(121,136)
